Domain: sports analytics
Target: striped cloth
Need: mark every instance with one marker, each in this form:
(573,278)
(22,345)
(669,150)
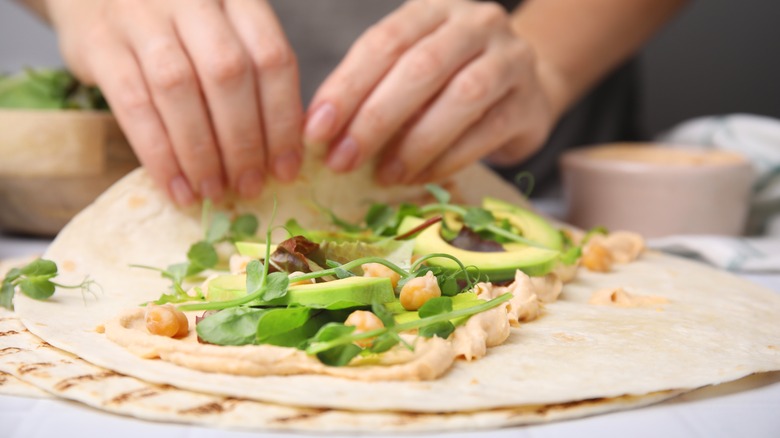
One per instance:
(758,139)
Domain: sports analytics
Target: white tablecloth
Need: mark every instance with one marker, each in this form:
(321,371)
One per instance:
(747,408)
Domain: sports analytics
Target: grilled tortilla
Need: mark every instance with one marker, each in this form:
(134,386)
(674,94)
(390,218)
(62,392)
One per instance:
(710,328)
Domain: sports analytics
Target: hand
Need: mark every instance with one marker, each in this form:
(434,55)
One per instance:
(433,87)
(206,90)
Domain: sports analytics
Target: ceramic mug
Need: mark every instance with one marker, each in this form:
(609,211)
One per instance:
(657,190)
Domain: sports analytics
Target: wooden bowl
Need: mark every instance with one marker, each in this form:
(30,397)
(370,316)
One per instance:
(54,163)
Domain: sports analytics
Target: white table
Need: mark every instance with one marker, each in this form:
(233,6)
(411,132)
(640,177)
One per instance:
(747,408)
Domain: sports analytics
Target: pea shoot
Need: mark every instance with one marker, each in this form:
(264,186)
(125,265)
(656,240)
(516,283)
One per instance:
(36,281)
(202,255)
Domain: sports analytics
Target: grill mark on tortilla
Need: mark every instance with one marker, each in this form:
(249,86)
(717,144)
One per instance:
(544,409)
(32,367)
(218,407)
(3,378)
(10,350)
(310,413)
(70,382)
(135,395)
(9,333)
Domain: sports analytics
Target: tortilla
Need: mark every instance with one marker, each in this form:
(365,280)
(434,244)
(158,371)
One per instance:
(715,327)
(72,378)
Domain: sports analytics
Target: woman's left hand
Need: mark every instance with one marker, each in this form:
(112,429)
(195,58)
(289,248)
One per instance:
(431,88)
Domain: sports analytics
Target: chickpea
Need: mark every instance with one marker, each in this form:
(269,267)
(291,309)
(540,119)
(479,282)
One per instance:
(418,291)
(597,258)
(294,282)
(380,270)
(363,321)
(166,321)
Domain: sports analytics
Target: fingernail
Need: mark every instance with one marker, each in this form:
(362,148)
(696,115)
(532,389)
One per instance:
(392,173)
(320,124)
(250,184)
(211,188)
(344,155)
(181,191)
(286,166)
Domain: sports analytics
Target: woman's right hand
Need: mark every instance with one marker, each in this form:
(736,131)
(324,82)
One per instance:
(205,90)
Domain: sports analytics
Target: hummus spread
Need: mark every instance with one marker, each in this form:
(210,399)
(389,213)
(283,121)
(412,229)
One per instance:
(431,358)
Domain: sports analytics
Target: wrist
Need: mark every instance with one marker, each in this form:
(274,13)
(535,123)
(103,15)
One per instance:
(554,86)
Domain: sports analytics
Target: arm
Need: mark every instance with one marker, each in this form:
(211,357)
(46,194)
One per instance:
(578,41)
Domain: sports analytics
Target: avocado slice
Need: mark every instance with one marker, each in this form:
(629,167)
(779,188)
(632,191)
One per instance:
(459,301)
(533,227)
(497,266)
(337,294)
(253,249)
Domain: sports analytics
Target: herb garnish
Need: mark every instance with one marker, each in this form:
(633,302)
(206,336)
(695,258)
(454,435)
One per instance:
(476,218)
(36,281)
(202,255)
(335,344)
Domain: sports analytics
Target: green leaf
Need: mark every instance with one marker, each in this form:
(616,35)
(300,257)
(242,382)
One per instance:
(442,196)
(332,331)
(478,218)
(340,355)
(7,295)
(379,218)
(384,315)
(38,288)
(254,277)
(276,324)
(384,342)
(40,267)
(435,306)
(219,227)
(244,226)
(203,255)
(177,272)
(442,329)
(448,285)
(276,286)
(233,326)
(295,229)
(13,274)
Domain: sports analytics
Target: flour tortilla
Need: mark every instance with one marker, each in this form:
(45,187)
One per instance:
(716,327)
(60,373)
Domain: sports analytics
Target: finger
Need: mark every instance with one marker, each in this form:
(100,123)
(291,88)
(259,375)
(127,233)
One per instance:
(369,59)
(466,98)
(416,79)
(277,81)
(497,127)
(174,89)
(228,83)
(119,77)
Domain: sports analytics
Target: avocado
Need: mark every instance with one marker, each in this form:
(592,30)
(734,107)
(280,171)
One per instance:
(337,294)
(496,266)
(459,301)
(532,226)
(253,249)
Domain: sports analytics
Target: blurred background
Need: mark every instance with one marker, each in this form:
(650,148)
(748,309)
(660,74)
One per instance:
(718,57)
